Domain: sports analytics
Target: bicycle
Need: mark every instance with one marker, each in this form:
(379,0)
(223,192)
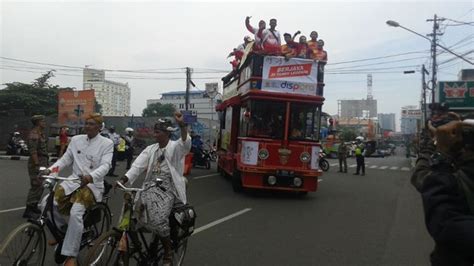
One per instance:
(128,242)
(26,244)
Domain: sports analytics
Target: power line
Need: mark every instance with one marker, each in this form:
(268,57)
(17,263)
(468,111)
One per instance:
(379,63)
(376,58)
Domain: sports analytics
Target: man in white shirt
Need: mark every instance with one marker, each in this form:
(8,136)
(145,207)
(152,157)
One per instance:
(163,160)
(271,39)
(90,156)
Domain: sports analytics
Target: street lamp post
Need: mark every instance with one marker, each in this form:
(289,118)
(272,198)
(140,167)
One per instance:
(433,48)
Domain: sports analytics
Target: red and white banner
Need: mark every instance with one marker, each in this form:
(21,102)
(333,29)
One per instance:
(298,76)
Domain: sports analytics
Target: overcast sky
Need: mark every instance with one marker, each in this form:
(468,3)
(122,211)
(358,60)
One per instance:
(174,35)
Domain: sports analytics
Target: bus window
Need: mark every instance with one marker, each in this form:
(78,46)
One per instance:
(263,119)
(304,122)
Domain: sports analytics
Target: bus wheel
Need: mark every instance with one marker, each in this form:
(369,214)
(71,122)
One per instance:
(236,181)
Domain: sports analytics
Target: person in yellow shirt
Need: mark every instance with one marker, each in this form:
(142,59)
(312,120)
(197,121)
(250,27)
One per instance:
(313,43)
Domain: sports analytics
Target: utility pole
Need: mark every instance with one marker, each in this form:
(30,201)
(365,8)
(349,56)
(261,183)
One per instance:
(423,87)
(188,83)
(433,54)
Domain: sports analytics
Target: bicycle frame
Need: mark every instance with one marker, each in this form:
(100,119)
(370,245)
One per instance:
(127,225)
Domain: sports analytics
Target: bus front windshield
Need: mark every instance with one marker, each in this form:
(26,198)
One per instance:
(304,122)
(263,119)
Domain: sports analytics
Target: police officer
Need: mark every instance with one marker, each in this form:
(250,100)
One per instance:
(38,147)
(342,155)
(359,153)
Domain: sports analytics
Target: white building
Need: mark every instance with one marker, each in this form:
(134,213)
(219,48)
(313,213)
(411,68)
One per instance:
(410,119)
(387,121)
(114,97)
(199,102)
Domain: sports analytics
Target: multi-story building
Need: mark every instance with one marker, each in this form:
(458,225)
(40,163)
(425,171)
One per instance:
(114,97)
(410,119)
(386,121)
(199,102)
(366,108)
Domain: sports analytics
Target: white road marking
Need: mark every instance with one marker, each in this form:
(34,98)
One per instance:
(320,180)
(334,164)
(204,176)
(352,165)
(11,210)
(383,167)
(405,169)
(394,168)
(221,220)
(373,166)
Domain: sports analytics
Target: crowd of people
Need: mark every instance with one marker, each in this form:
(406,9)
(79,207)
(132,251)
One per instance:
(92,156)
(267,41)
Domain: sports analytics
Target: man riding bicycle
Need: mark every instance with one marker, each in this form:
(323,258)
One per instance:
(90,155)
(163,160)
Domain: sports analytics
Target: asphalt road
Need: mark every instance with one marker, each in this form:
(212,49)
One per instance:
(351,220)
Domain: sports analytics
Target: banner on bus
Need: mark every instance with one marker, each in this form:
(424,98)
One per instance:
(298,76)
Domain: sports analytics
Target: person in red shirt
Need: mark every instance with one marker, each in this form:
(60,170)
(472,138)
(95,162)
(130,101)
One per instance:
(320,54)
(63,140)
(289,49)
(303,50)
(313,43)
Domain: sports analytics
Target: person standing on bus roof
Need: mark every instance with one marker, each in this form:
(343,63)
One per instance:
(313,43)
(258,32)
(288,50)
(271,39)
(303,50)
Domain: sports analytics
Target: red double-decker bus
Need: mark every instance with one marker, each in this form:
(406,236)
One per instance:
(269,124)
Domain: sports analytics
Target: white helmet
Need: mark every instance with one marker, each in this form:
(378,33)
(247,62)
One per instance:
(129,129)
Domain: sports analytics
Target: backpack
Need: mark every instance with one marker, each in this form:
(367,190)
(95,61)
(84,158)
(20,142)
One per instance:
(182,219)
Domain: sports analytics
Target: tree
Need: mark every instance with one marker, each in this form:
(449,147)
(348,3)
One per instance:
(40,97)
(348,134)
(42,81)
(158,109)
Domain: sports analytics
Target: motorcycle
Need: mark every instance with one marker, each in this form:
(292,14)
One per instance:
(213,154)
(202,158)
(17,146)
(323,163)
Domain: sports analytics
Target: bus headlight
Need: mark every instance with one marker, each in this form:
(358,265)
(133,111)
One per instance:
(272,180)
(297,182)
(305,157)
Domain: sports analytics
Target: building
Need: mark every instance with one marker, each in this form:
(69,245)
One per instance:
(114,97)
(410,119)
(366,108)
(466,75)
(199,102)
(387,121)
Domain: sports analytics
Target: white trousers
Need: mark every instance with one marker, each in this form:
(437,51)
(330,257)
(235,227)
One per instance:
(72,240)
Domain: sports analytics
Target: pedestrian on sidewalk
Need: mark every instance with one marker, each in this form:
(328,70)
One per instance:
(38,148)
(359,153)
(342,155)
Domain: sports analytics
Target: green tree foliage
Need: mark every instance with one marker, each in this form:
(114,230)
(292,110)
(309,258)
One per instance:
(37,98)
(347,134)
(158,109)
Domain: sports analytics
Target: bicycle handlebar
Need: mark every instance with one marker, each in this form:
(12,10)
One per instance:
(59,178)
(128,189)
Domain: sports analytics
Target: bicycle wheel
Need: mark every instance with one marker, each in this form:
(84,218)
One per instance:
(25,245)
(179,252)
(105,251)
(97,221)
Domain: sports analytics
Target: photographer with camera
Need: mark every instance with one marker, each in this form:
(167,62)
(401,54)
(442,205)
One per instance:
(444,176)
